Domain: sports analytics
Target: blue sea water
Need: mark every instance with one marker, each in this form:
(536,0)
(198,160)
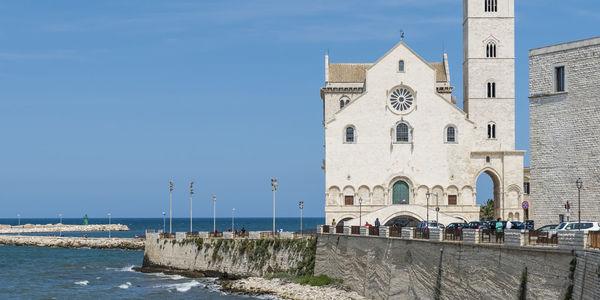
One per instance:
(56,273)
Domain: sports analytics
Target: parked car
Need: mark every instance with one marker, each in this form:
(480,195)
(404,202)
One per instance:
(529,224)
(432,224)
(475,225)
(574,226)
(456,225)
(548,227)
(516,225)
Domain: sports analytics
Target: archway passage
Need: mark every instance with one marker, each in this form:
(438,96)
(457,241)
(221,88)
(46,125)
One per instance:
(341,222)
(403,221)
(488,188)
(401,193)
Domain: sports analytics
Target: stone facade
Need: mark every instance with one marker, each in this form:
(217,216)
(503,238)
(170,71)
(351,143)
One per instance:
(564,127)
(379,174)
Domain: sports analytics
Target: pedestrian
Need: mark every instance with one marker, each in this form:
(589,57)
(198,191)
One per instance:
(333,223)
(367,224)
(499,231)
(377,224)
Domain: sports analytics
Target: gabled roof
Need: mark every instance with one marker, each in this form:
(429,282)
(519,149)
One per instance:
(440,71)
(348,72)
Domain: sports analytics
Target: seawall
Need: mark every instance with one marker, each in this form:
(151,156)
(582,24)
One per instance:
(391,268)
(33,228)
(72,242)
(230,258)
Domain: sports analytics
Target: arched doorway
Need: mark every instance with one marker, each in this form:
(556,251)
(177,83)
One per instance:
(342,221)
(403,221)
(400,193)
(488,188)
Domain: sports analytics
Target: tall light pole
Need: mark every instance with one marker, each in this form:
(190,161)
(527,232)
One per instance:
(579,184)
(360,211)
(170,206)
(214,213)
(164,221)
(427,195)
(437,208)
(191,194)
(301,205)
(232,219)
(274,185)
(109,225)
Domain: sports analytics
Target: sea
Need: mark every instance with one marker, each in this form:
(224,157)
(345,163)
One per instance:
(57,273)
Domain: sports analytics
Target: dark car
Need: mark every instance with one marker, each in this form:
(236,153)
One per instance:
(476,225)
(548,227)
(529,224)
(455,225)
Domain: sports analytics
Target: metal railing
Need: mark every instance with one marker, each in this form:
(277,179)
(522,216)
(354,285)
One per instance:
(421,233)
(395,231)
(489,235)
(325,228)
(269,234)
(594,238)
(374,230)
(192,234)
(339,229)
(536,237)
(355,230)
(166,235)
(453,234)
(215,234)
(241,234)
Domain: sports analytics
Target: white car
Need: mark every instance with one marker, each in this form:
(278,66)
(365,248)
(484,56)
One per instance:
(574,226)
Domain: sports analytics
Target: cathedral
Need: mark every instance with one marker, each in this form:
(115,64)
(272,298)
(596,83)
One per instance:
(397,146)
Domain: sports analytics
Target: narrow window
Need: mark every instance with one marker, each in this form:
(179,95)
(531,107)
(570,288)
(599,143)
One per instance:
(491,5)
(451,135)
(349,200)
(560,78)
(349,135)
(526,187)
(402,133)
(490,50)
(491,131)
(487,159)
(342,103)
(452,200)
(401,66)
(491,90)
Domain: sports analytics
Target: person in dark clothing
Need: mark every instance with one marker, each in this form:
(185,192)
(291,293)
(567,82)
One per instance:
(377,223)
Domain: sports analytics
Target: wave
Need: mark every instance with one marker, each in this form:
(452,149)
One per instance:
(181,287)
(125,285)
(124,269)
(84,282)
(172,277)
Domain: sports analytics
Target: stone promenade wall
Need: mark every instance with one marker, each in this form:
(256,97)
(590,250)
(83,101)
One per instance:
(230,258)
(384,268)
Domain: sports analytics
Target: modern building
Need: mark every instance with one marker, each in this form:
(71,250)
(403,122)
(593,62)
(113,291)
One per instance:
(564,125)
(394,133)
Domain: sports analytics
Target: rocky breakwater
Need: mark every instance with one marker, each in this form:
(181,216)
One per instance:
(33,228)
(289,290)
(73,242)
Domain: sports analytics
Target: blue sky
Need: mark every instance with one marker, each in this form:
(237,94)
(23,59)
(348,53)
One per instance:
(103,102)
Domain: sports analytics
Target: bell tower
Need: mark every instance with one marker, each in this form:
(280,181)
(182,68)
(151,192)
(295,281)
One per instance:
(489,71)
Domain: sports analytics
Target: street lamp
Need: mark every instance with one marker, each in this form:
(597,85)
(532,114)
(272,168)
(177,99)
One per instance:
(232,219)
(170,206)
(164,221)
(437,208)
(360,211)
(191,194)
(109,225)
(579,184)
(427,195)
(301,205)
(214,213)
(274,185)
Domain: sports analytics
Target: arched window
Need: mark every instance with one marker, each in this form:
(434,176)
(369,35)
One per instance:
(350,136)
(491,5)
(450,134)
(491,131)
(491,90)
(344,101)
(490,50)
(402,133)
(401,66)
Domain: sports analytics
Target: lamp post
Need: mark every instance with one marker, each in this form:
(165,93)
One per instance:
(191,194)
(274,185)
(232,219)
(109,225)
(437,208)
(170,206)
(214,213)
(360,211)
(579,184)
(301,206)
(164,221)
(427,195)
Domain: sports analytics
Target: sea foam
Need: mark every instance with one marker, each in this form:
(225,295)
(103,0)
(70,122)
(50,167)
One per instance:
(84,282)
(125,285)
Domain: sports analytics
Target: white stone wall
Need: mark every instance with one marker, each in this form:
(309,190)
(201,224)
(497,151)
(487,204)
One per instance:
(564,127)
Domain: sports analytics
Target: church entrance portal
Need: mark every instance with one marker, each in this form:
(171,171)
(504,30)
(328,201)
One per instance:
(400,194)
(403,221)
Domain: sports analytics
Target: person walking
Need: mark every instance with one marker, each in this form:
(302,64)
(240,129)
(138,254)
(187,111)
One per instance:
(499,231)
(377,223)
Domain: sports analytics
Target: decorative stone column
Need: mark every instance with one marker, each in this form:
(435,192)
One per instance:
(364,230)
(470,236)
(346,230)
(436,234)
(384,231)
(227,235)
(571,240)
(514,237)
(407,233)
(179,236)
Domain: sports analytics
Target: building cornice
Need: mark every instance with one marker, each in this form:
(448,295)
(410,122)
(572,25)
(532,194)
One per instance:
(355,90)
